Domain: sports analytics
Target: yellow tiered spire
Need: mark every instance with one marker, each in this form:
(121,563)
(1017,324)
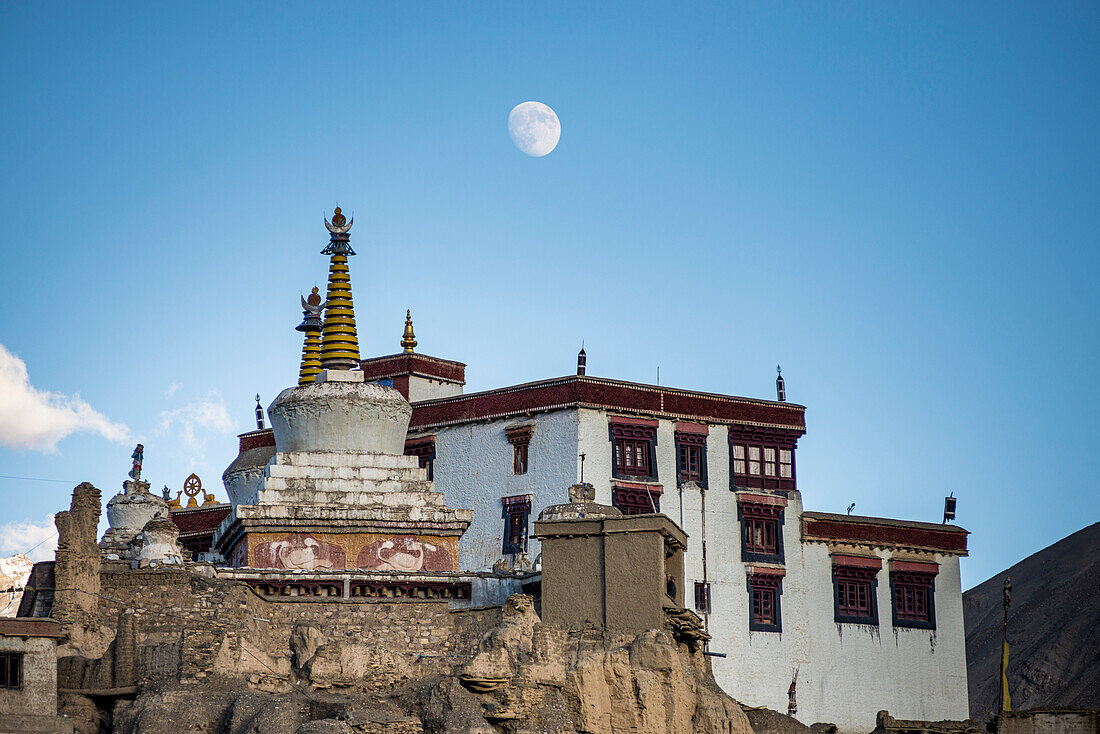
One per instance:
(311,348)
(408,341)
(339,342)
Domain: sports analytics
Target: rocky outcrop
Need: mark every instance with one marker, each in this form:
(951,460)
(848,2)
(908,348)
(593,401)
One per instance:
(14,573)
(524,677)
(535,678)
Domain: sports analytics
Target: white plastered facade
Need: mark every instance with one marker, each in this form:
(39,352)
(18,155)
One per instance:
(845,672)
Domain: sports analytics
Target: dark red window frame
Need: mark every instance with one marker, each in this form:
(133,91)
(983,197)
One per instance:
(424,450)
(515,511)
(636,501)
(764,590)
(702,597)
(691,458)
(520,438)
(11,670)
(761,532)
(761,458)
(913,595)
(854,590)
(633,451)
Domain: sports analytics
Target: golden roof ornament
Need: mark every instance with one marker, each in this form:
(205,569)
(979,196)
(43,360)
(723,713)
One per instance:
(191,487)
(339,340)
(409,339)
(311,346)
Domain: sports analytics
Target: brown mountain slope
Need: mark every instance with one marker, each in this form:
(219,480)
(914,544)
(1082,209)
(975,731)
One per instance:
(1053,627)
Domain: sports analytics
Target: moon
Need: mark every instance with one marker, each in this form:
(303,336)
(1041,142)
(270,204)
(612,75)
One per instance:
(534,128)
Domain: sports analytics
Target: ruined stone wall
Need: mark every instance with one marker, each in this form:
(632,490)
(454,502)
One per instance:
(1049,721)
(189,627)
(76,570)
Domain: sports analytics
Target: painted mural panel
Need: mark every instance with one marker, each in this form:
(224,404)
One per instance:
(298,550)
(406,553)
(334,551)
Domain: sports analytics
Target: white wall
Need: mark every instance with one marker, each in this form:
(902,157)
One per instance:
(473,469)
(846,672)
(427,388)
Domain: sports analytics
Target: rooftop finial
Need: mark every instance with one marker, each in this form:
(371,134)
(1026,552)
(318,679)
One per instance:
(340,343)
(408,341)
(138,456)
(780,386)
(259,414)
(582,361)
(311,347)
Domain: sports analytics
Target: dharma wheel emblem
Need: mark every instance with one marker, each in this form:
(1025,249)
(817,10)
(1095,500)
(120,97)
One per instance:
(192,486)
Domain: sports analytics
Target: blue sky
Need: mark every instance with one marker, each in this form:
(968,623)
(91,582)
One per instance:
(898,202)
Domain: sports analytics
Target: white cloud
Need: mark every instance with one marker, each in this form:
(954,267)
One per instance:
(192,422)
(172,389)
(37,419)
(37,540)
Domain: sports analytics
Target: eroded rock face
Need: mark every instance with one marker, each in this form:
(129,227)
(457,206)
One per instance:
(525,677)
(539,678)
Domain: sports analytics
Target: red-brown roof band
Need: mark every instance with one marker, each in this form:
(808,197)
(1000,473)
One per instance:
(582,391)
(821,526)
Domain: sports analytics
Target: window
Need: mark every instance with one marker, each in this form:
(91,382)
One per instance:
(754,461)
(913,594)
(764,592)
(519,458)
(761,460)
(634,446)
(702,597)
(637,500)
(738,453)
(424,450)
(691,456)
(854,593)
(516,510)
(769,461)
(786,463)
(11,670)
(632,458)
(761,536)
(520,438)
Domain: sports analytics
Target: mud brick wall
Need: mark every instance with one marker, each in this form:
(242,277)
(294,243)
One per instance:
(189,627)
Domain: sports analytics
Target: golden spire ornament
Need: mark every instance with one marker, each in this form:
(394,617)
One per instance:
(339,341)
(311,348)
(408,341)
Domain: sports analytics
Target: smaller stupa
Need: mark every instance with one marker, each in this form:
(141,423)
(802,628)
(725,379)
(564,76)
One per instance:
(130,510)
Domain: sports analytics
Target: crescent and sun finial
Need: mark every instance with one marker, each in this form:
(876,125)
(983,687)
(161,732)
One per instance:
(339,224)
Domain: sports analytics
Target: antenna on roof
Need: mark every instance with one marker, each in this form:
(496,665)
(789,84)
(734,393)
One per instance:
(780,386)
(949,507)
(851,507)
